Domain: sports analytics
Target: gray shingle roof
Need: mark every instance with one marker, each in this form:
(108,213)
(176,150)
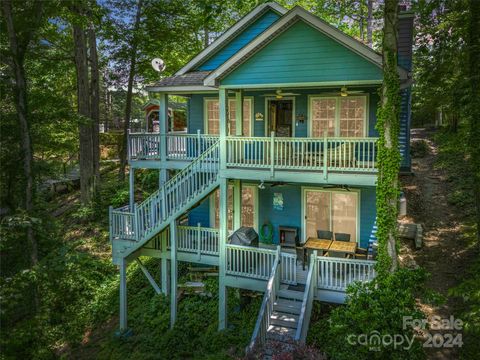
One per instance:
(190,78)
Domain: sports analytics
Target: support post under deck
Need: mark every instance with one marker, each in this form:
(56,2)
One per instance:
(165,282)
(222,289)
(173,273)
(123,295)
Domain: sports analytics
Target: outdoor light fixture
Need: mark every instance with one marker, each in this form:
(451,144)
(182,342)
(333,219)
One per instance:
(343,91)
(261,186)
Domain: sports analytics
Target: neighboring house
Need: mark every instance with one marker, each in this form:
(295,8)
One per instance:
(176,116)
(281,137)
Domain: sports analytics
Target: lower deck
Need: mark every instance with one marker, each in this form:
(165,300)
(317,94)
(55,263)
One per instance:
(250,267)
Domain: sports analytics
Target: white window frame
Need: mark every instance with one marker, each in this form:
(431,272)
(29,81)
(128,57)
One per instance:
(210,99)
(366,112)
(304,203)
(213,209)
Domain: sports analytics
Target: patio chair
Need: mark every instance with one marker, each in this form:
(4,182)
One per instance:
(361,253)
(342,237)
(325,234)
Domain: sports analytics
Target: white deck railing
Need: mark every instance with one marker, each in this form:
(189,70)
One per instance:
(249,261)
(326,154)
(288,268)
(179,146)
(307,302)
(171,198)
(196,239)
(337,273)
(263,319)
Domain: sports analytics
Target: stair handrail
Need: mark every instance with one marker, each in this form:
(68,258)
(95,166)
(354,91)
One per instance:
(175,182)
(307,302)
(164,212)
(263,318)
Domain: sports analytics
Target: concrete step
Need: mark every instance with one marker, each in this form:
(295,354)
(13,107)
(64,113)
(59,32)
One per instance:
(287,306)
(284,319)
(290,294)
(280,333)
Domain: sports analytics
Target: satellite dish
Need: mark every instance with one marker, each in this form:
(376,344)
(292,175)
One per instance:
(158,64)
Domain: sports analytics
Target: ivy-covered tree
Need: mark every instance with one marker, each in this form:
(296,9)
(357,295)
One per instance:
(388,126)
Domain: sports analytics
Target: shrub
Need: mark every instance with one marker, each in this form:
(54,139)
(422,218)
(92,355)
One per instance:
(373,310)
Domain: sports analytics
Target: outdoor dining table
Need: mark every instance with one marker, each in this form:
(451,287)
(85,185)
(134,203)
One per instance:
(324,245)
(347,247)
(315,244)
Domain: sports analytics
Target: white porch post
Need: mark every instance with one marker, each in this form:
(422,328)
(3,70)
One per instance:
(222,238)
(223,208)
(239,113)
(223,126)
(173,272)
(131,188)
(165,283)
(123,294)
(163,125)
(237,204)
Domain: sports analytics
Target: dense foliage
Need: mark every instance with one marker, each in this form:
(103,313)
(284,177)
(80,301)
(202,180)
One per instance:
(374,310)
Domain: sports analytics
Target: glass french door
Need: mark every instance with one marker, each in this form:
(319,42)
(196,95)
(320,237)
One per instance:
(335,211)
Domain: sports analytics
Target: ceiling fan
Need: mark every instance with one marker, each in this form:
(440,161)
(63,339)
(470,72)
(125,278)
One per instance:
(344,92)
(279,94)
(340,187)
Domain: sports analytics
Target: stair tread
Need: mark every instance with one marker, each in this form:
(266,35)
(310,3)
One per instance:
(280,332)
(287,306)
(290,294)
(284,319)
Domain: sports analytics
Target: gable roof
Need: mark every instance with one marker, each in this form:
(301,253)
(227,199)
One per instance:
(297,13)
(230,34)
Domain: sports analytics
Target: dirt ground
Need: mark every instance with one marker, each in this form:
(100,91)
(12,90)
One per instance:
(444,252)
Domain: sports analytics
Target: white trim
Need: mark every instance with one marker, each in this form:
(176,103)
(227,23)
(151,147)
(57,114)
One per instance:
(246,20)
(302,85)
(267,110)
(213,210)
(245,98)
(275,29)
(366,113)
(181,89)
(321,189)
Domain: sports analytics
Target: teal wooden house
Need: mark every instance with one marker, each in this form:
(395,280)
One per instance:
(281,138)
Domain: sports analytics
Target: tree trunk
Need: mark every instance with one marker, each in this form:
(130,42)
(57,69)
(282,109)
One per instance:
(94,103)
(388,126)
(17,50)
(86,125)
(128,105)
(474,98)
(370,23)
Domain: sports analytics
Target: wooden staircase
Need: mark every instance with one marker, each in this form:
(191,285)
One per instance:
(130,228)
(284,316)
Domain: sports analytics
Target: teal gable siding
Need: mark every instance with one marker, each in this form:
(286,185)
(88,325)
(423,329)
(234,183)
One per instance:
(240,41)
(303,54)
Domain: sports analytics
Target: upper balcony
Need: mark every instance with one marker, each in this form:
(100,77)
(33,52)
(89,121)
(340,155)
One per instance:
(262,158)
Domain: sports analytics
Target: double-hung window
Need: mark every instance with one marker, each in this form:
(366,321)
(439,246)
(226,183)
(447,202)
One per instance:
(212,113)
(338,116)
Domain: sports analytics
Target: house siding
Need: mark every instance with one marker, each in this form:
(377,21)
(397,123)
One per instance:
(196,110)
(291,215)
(303,54)
(251,32)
